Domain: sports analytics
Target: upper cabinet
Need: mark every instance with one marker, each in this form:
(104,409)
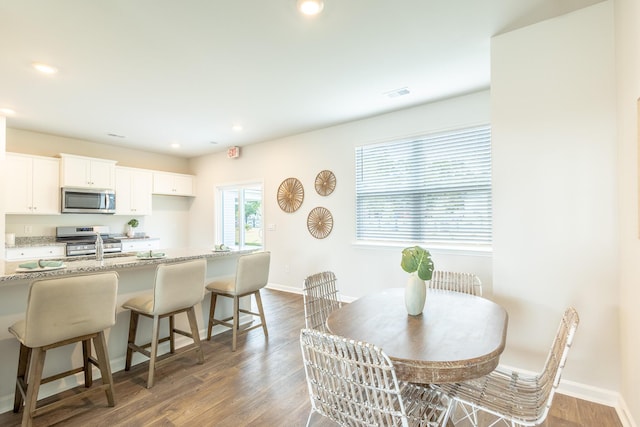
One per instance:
(87,172)
(133,191)
(174,184)
(32,185)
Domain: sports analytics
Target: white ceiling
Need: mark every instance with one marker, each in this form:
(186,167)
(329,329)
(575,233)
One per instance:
(158,72)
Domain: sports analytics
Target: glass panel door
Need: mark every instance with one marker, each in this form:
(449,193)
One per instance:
(240,216)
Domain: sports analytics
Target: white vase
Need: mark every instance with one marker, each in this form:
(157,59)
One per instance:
(415,294)
(131,232)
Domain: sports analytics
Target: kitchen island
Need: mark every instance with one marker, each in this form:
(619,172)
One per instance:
(136,275)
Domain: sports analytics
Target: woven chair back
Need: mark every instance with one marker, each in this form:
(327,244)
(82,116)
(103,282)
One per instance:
(352,383)
(549,378)
(321,297)
(459,282)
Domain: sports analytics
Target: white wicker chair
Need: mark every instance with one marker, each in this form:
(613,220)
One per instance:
(460,282)
(516,398)
(321,297)
(355,384)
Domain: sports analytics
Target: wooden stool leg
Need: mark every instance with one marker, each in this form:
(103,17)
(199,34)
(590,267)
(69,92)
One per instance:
(236,321)
(172,335)
(133,327)
(154,350)
(212,310)
(261,311)
(191,315)
(100,343)
(21,378)
(88,372)
(34,376)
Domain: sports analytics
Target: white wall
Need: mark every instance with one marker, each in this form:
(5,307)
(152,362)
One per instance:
(555,198)
(3,143)
(295,253)
(627,14)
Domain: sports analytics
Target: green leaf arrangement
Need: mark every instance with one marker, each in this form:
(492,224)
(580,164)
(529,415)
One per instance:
(417,259)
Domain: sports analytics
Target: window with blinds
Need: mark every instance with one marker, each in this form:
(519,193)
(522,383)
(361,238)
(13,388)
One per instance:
(430,189)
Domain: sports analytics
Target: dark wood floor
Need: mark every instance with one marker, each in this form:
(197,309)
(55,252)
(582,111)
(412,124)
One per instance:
(261,384)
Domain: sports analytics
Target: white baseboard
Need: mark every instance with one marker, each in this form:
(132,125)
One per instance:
(293,290)
(600,396)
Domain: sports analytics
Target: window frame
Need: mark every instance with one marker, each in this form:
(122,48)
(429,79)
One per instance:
(468,146)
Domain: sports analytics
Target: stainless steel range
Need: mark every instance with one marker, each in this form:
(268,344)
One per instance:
(82,240)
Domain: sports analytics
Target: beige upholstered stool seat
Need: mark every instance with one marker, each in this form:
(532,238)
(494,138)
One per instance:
(177,289)
(252,274)
(59,312)
(141,303)
(223,284)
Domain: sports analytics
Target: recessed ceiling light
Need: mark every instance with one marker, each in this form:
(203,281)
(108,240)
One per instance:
(237,128)
(7,111)
(44,68)
(310,7)
(175,145)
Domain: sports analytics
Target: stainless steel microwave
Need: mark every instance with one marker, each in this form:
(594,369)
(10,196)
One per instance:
(88,200)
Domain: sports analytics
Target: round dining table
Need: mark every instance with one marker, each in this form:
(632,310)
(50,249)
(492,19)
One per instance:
(457,337)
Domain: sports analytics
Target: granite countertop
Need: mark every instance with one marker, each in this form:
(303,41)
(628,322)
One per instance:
(27,242)
(83,265)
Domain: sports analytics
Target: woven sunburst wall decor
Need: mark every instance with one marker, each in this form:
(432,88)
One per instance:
(290,195)
(325,182)
(320,222)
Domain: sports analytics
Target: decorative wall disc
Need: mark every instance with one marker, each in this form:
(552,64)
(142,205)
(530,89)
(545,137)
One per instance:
(320,222)
(290,195)
(325,182)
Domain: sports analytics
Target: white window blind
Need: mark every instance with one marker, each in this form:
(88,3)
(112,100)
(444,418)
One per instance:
(431,189)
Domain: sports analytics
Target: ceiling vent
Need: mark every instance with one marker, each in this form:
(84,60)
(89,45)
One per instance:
(398,92)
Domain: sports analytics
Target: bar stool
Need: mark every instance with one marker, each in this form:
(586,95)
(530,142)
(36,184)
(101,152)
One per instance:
(177,289)
(59,312)
(252,274)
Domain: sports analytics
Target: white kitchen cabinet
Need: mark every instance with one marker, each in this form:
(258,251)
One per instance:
(35,252)
(140,245)
(174,184)
(133,191)
(32,185)
(86,172)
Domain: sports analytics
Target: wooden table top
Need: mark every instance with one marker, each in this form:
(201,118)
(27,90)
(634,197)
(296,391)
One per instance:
(457,337)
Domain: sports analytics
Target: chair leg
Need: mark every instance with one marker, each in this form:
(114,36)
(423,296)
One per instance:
(261,311)
(172,335)
(23,365)
(133,327)
(100,343)
(236,321)
(191,315)
(35,376)
(212,310)
(154,350)
(88,372)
